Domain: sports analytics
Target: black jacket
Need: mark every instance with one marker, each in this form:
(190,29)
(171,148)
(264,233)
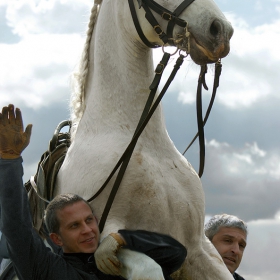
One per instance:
(237,276)
(33,260)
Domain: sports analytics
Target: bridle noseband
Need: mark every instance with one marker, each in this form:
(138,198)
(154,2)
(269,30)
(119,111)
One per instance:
(172,18)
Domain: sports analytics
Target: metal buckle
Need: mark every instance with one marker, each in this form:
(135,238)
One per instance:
(158,27)
(159,69)
(167,16)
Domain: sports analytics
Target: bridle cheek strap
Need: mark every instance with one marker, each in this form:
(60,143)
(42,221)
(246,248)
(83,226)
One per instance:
(138,27)
(176,13)
(172,19)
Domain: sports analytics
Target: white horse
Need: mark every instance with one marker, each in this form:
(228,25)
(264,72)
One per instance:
(160,190)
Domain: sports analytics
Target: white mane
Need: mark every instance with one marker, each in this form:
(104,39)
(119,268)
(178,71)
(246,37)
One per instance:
(79,77)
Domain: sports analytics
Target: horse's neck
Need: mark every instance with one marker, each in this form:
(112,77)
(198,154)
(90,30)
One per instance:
(120,73)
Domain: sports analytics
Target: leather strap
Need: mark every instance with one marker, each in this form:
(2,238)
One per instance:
(128,152)
(200,126)
(176,13)
(168,15)
(152,20)
(163,62)
(218,71)
(138,27)
(165,14)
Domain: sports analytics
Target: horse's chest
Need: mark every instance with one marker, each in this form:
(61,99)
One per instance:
(156,187)
(157,196)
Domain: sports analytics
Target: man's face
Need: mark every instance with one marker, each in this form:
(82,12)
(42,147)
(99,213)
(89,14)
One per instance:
(78,231)
(230,243)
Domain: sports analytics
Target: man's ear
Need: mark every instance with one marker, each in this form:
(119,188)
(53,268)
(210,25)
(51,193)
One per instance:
(56,239)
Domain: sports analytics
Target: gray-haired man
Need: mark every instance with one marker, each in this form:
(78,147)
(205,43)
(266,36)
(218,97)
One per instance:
(228,234)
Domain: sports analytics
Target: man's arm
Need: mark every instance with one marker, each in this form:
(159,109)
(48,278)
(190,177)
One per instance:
(163,249)
(237,276)
(16,222)
(24,244)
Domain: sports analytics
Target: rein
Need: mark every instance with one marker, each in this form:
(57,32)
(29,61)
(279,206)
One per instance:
(147,114)
(145,117)
(149,109)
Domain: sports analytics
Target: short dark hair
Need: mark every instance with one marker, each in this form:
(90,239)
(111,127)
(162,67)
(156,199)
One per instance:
(59,203)
(223,220)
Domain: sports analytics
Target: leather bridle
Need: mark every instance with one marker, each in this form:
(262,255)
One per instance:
(172,18)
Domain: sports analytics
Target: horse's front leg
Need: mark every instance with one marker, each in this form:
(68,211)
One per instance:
(135,265)
(138,266)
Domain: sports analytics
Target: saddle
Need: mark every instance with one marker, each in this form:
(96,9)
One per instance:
(41,186)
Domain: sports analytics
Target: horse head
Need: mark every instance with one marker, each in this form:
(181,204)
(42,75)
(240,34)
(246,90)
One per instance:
(197,27)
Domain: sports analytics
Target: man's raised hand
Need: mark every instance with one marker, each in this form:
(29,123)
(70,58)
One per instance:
(13,139)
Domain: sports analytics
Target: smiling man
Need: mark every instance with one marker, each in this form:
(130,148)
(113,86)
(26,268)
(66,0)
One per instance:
(72,226)
(228,234)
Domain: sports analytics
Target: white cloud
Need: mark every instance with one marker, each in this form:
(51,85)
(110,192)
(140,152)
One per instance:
(52,16)
(36,70)
(249,161)
(260,254)
(248,70)
(4,2)
(217,144)
(255,150)
(186,97)
(258,6)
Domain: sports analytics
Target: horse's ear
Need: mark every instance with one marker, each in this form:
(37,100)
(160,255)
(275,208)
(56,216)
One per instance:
(139,3)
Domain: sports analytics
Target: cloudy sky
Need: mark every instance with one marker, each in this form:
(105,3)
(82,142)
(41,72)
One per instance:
(40,43)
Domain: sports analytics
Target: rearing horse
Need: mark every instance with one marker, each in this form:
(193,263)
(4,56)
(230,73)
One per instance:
(160,190)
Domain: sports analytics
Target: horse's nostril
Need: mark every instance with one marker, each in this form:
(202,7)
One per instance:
(215,28)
